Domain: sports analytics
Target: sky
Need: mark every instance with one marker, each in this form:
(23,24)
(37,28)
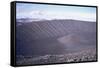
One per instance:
(49,12)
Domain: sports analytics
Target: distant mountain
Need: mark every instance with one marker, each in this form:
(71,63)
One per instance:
(37,19)
(28,19)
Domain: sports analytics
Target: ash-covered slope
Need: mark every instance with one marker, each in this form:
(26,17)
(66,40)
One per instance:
(54,36)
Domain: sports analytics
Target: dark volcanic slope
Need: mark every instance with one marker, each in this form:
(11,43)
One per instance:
(54,36)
